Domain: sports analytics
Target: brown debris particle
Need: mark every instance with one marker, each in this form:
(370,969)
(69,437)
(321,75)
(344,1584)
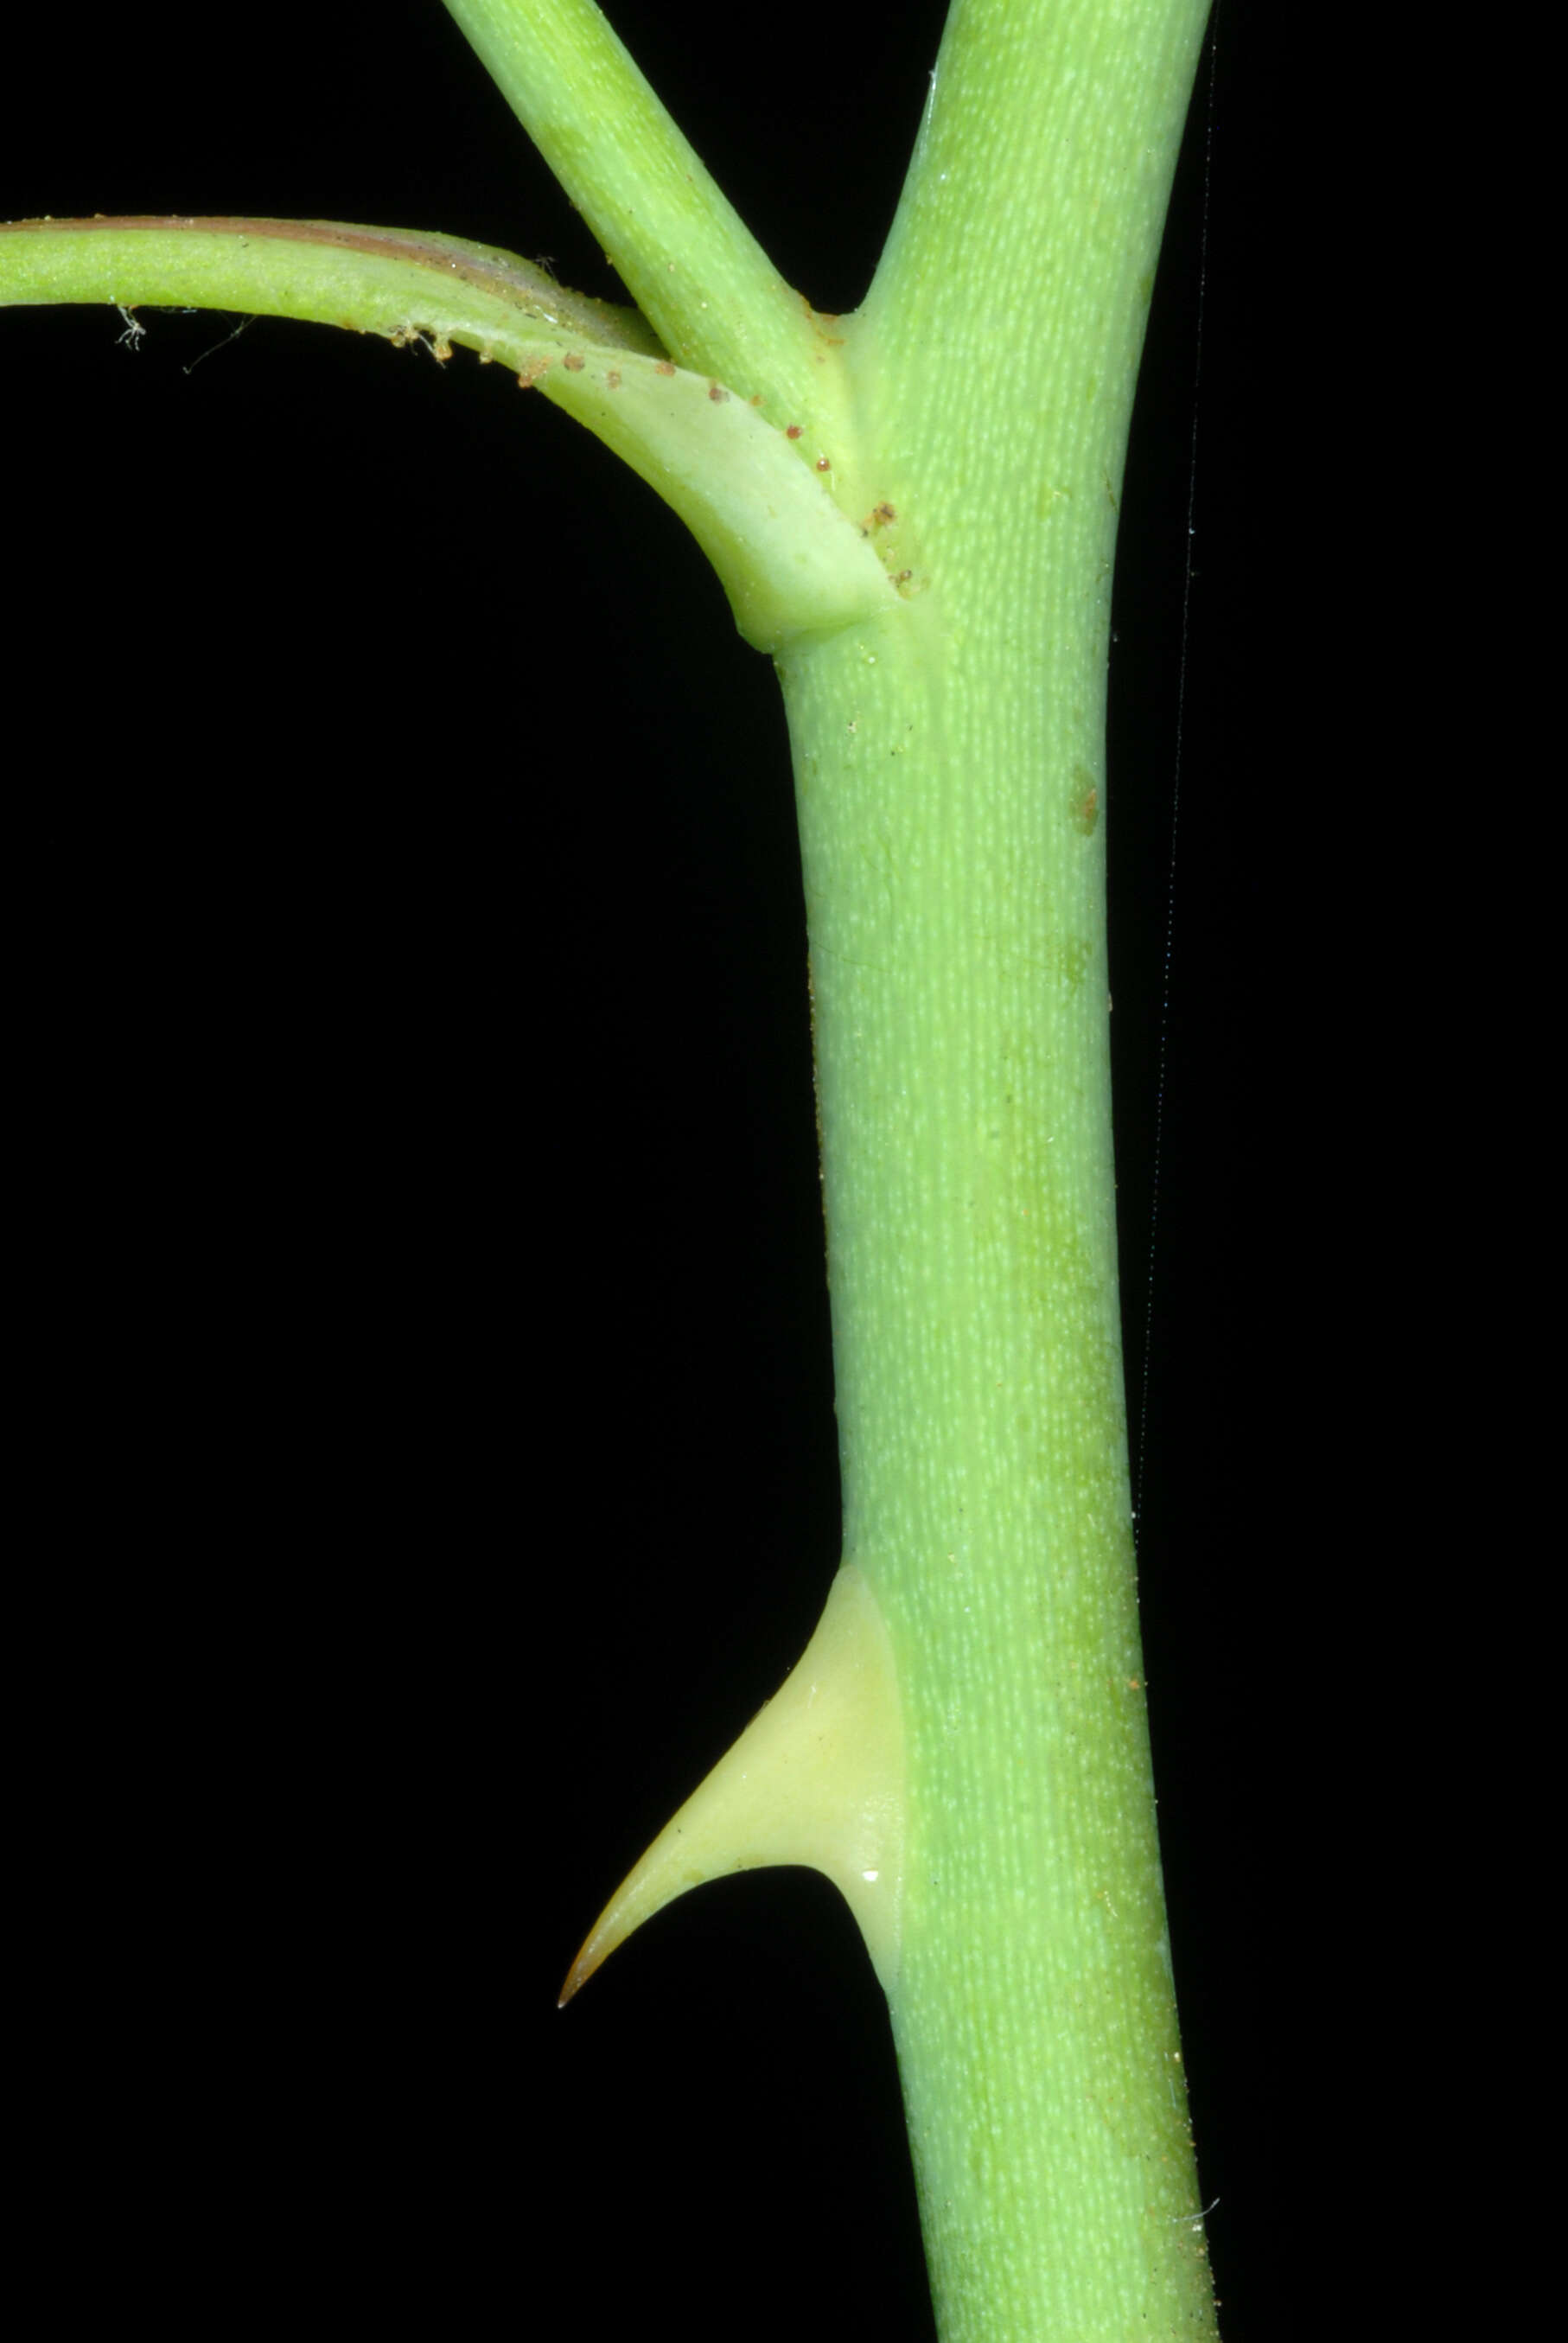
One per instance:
(573,362)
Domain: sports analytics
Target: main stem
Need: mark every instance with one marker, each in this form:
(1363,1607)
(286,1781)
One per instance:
(951,790)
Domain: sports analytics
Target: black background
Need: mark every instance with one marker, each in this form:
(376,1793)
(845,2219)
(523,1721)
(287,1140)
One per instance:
(429,1388)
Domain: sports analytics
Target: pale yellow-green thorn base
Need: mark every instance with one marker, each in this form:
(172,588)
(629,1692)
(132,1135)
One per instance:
(816,1778)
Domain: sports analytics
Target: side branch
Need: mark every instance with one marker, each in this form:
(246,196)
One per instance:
(670,232)
(789,561)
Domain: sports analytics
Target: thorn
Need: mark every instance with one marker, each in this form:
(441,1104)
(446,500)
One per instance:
(816,1778)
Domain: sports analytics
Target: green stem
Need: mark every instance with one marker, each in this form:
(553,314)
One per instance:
(788,558)
(940,611)
(397,282)
(951,788)
(693,267)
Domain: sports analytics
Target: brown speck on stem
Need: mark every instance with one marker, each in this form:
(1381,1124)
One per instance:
(612,381)
(717,393)
(824,464)
(664,366)
(531,373)
(794,431)
(573,362)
